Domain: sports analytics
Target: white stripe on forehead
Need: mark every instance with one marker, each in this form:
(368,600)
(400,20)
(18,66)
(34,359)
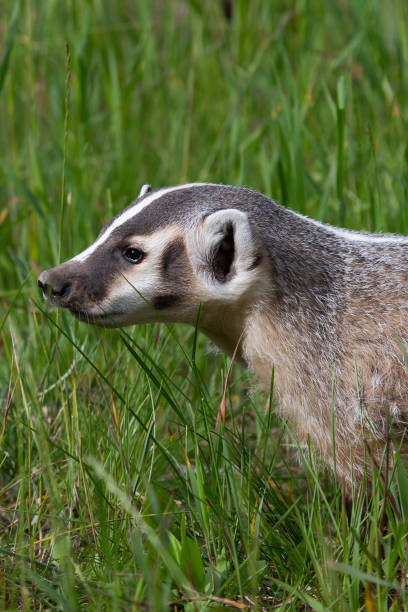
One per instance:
(129,214)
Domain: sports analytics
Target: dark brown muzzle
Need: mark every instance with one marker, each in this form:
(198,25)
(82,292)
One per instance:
(75,285)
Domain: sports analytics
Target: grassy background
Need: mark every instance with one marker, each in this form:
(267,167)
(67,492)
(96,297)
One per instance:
(117,490)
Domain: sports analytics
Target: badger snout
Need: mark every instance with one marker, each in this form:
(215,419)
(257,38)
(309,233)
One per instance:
(55,286)
(76,287)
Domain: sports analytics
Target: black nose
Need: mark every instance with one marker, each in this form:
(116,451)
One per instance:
(55,289)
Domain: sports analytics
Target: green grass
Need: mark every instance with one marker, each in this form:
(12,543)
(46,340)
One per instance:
(117,490)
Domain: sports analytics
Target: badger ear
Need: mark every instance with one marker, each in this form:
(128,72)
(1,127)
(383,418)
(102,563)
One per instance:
(145,189)
(224,249)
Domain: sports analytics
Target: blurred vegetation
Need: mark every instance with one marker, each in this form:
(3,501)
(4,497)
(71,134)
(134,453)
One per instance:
(117,490)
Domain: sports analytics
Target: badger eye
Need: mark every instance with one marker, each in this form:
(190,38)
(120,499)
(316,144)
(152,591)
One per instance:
(135,256)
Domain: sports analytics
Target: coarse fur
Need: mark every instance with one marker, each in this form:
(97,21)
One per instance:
(326,309)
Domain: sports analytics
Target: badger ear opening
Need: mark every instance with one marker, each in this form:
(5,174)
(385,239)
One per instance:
(224,248)
(222,258)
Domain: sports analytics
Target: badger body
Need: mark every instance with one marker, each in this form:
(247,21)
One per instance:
(325,309)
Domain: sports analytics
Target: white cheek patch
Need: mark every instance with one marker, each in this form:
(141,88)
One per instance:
(132,297)
(129,214)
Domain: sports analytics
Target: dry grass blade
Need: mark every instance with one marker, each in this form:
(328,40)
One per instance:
(221,410)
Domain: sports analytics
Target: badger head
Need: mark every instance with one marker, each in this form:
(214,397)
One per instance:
(169,253)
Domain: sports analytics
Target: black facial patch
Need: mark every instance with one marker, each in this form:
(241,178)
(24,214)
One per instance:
(162,302)
(171,259)
(224,256)
(174,268)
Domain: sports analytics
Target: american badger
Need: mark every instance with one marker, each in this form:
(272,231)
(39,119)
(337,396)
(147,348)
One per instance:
(325,308)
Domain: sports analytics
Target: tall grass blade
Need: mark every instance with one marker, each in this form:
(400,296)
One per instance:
(9,43)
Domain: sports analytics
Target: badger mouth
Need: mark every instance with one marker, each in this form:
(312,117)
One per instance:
(105,319)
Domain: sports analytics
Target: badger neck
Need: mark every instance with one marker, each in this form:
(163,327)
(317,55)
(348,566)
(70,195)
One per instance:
(225,324)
